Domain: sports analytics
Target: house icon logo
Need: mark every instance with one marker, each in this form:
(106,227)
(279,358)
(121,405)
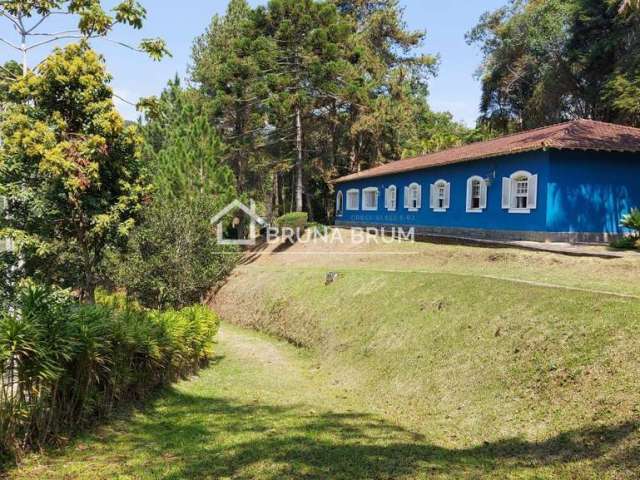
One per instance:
(241,215)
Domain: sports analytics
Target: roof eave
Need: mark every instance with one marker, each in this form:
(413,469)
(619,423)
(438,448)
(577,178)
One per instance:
(346,178)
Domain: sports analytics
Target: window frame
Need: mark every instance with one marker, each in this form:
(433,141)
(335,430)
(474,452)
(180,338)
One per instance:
(515,178)
(414,187)
(376,193)
(389,197)
(437,185)
(339,203)
(355,207)
(482,187)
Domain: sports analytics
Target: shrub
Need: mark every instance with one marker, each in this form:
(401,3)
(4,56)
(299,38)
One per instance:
(64,364)
(173,259)
(632,221)
(294,220)
(624,243)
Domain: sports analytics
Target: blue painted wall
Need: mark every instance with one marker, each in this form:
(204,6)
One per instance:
(578,191)
(591,191)
(493,217)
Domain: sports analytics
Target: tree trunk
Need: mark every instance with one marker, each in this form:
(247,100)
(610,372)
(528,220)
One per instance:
(275,196)
(309,205)
(88,294)
(299,184)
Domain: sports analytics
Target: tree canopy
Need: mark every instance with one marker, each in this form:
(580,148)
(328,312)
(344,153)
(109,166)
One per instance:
(70,169)
(554,60)
(303,91)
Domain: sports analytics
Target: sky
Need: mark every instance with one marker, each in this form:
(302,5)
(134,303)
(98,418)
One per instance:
(454,89)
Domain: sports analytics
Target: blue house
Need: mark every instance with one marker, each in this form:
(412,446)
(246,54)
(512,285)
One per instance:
(568,182)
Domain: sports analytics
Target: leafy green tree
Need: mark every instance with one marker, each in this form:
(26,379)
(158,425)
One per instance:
(229,66)
(172,258)
(303,91)
(184,152)
(70,170)
(89,20)
(388,95)
(556,60)
(307,40)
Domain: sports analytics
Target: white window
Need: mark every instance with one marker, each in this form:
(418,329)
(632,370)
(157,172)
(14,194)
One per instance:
(353,199)
(370,199)
(339,204)
(476,194)
(440,196)
(520,192)
(412,197)
(390,198)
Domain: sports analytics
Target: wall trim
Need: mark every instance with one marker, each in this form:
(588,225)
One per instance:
(500,235)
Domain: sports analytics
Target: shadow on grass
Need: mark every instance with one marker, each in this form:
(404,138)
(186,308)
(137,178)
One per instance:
(206,437)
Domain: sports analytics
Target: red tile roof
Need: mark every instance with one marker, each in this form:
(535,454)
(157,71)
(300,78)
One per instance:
(574,135)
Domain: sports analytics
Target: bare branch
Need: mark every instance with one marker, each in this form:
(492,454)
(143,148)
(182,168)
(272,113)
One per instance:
(6,42)
(124,100)
(56,34)
(11,18)
(37,24)
(55,39)
(122,44)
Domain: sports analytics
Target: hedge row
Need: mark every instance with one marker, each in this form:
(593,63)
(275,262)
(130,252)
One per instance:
(63,365)
(294,220)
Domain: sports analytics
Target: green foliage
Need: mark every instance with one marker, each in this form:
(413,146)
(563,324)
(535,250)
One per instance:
(65,364)
(632,221)
(70,169)
(173,258)
(185,154)
(625,243)
(556,60)
(303,91)
(294,220)
(91,19)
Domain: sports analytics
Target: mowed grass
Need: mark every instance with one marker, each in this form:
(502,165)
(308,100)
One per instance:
(465,359)
(415,365)
(266,411)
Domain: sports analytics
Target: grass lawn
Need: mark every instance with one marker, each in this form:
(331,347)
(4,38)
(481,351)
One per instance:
(265,410)
(428,361)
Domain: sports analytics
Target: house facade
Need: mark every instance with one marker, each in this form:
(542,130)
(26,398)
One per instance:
(568,182)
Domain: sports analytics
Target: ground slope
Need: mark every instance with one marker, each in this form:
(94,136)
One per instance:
(469,346)
(265,410)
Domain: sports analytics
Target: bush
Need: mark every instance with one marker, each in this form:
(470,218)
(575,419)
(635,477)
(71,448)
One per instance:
(293,220)
(172,259)
(632,221)
(64,364)
(624,243)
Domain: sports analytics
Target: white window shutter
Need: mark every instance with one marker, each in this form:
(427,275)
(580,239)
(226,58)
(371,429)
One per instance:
(419,200)
(506,192)
(386,197)
(406,197)
(394,198)
(532,197)
(447,194)
(483,194)
(469,192)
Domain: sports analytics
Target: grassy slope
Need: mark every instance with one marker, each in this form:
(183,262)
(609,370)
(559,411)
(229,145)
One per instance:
(419,367)
(433,345)
(265,410)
